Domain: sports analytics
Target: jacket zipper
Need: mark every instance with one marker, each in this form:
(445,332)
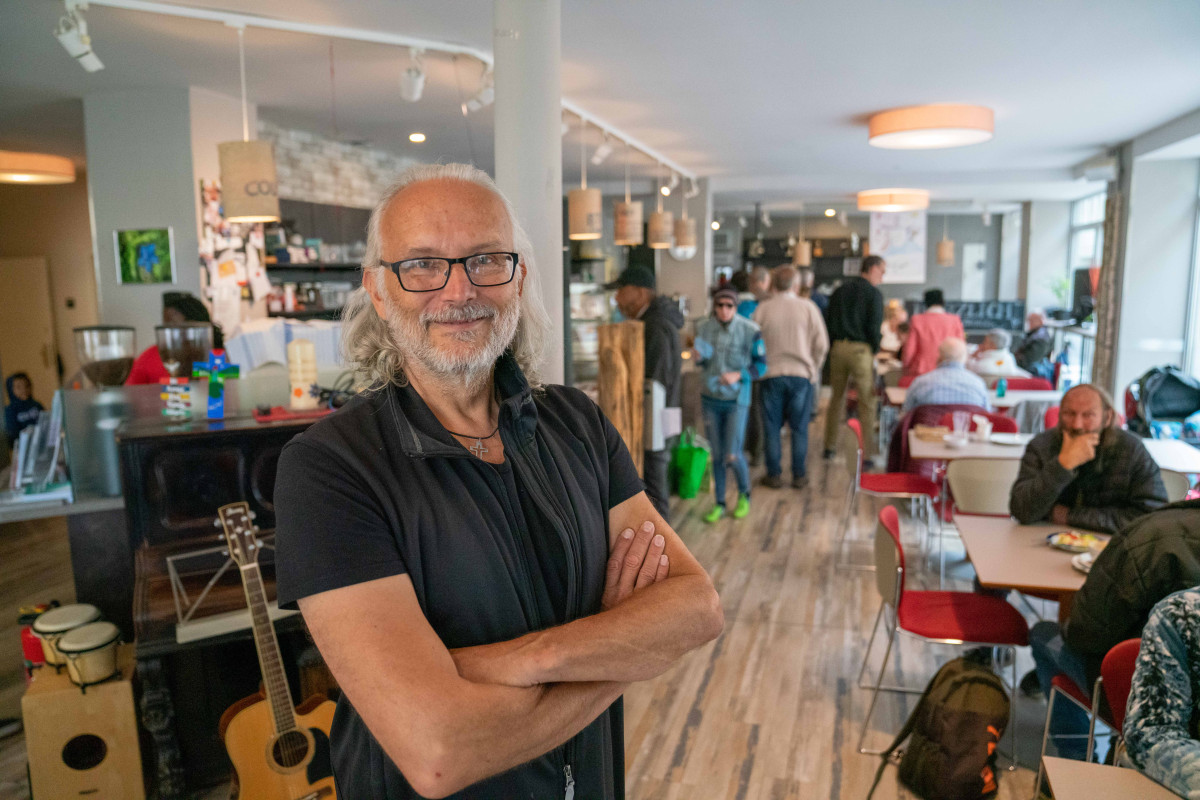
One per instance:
(569,792)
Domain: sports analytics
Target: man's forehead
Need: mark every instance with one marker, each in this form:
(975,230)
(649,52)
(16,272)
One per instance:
(428,212)
(1082,399)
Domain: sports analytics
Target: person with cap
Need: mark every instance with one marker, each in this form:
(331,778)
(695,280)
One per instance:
(926,331)
(637,299)
(177,307)
(729,348)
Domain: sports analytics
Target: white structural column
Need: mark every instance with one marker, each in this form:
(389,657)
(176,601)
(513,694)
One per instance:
(528,142)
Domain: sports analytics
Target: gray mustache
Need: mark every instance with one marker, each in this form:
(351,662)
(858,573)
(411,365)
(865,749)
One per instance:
(464,313)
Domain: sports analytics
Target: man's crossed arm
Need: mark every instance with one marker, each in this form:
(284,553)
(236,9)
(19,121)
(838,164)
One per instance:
(448,720)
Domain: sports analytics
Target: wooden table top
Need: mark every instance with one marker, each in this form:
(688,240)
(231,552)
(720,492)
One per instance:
(896,396)
(1174,455)
(1080,780)
(1009,555)
(922,449)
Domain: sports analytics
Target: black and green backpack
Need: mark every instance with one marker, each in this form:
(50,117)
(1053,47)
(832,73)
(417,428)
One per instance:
(954,732)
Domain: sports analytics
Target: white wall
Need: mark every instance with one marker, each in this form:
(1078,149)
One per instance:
(690,278)
(1044,258)
(140,175)
(1008,283)
(213,118)
(1160,241)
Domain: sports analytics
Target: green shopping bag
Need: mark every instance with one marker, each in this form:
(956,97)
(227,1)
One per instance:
(689,460)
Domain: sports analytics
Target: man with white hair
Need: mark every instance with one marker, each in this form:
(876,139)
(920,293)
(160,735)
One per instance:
(993,359)
(950,383)
(1038,342)
(471,549)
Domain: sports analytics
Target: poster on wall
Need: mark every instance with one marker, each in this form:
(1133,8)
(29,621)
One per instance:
(145,255)
(899,236)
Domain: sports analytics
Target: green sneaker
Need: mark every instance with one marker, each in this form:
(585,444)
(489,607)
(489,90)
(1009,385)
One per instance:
(742,508)
(715,514)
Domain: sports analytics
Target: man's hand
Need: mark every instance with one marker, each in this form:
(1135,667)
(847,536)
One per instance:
(1078,450)
(637,560)
(730,378)
(1058,514)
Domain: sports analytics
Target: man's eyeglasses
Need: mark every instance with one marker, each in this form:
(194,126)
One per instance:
(723,305)
(431,274)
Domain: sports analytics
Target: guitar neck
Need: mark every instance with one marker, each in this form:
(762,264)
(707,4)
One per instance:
(279,696)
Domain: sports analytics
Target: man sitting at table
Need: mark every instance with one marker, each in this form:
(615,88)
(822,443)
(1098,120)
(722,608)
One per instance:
(1153,557)
(1035,348)
(993,359)
(1087,472)
(951,383)
(927,331)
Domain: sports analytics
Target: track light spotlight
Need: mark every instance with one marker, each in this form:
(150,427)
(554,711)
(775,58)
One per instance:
(484,97)
(602,152)
(674,180)
(765,216)
(72,33)
(743,223)
(412,80)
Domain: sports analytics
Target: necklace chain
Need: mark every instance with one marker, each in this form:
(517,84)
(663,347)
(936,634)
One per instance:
(479,449)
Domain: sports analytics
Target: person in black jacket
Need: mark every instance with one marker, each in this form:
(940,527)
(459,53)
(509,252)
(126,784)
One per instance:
(471,548)
(855,318)
(662,319)
(22,410)
(1086,472)
(1155,556)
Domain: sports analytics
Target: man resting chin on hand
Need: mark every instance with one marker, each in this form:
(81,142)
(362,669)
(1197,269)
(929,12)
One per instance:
(1086,473)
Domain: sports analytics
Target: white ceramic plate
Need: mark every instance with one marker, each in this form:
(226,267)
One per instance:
(954,442)
(1010,439)
(1083,562)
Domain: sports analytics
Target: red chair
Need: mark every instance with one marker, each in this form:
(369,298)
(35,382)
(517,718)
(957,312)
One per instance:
(1030,385)
(1000,423)
(959,618)
(1113,685)
(892,485)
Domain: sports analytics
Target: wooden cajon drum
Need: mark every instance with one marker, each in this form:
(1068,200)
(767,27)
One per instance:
(83,744)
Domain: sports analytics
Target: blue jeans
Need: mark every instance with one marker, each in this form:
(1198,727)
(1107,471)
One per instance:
(1052,656)
(787,397)
(725,427)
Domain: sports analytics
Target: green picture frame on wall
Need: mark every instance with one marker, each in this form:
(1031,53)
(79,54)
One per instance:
(145,255)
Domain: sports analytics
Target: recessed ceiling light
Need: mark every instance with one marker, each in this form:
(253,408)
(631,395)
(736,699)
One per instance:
(666,191)
(716,225)
(416,138)
(829,212)
(893,200)
(930,127)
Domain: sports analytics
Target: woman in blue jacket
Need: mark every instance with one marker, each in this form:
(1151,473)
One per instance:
(729,348)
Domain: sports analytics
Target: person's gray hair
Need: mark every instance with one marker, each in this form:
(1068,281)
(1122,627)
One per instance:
(367,342)
(952,349)
(1001,339)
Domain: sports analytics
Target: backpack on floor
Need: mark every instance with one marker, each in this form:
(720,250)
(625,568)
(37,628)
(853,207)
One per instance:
(954,731)
(1162,394)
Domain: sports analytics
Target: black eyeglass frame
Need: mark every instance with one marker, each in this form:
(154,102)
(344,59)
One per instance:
(394,266)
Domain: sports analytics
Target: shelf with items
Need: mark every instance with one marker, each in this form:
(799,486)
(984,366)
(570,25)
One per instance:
(309,313)
(316,266)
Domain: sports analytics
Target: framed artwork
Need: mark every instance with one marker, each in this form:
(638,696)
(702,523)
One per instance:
(899,236)
(145,255)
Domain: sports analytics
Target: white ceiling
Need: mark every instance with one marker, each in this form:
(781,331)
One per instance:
(769,99)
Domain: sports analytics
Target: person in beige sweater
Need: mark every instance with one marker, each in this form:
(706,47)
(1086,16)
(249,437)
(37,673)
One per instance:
(796,342)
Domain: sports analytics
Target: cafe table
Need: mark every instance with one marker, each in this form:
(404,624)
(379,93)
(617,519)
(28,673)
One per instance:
(1174,455)
(938,450)
(1082,780)
(1009,555)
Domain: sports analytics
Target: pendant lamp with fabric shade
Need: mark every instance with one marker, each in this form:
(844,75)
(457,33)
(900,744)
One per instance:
(685,228)
(945,248)
(628,221)
(249,190)
(661,229)
(585,218)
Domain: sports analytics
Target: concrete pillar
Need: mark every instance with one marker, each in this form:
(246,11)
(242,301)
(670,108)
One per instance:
(139,157)
(528,143)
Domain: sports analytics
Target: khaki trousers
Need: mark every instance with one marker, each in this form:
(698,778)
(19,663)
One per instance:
(851,361)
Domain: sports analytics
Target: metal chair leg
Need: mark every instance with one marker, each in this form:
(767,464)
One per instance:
(1045,740)
(870,644)
(862,736)
(1012,711)
(1091,741)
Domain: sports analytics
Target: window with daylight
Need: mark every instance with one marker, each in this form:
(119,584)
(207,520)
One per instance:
(1087,232)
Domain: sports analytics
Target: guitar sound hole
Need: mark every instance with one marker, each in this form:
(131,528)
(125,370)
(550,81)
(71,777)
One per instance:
(290,749)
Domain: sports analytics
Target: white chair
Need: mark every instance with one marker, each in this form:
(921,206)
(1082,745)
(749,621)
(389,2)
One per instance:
(982,485)
(1177,485)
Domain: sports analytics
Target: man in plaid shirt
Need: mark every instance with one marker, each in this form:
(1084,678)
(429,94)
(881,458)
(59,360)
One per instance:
(950,384)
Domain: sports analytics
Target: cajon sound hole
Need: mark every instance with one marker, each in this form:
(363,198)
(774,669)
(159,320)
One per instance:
(290,749)
(85,751)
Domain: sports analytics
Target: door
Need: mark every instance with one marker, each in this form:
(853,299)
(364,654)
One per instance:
(27,325)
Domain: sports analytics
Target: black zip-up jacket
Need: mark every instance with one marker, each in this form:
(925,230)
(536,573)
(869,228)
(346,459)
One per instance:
(856,313)
(1121,484)
(380,488)
(663,320)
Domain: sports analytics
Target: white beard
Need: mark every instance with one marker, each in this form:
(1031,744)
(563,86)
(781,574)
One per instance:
(468,366)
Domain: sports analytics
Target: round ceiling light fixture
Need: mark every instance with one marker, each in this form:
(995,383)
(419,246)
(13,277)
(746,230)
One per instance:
(829,212)
(893,200)
(35,168)
(931,127)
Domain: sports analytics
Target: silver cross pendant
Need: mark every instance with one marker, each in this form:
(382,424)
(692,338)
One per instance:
(479,448)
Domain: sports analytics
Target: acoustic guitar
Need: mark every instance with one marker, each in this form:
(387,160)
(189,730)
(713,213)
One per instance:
(278,752)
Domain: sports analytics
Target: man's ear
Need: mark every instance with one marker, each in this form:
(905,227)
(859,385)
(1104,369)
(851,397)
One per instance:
(521,278)
(373,284)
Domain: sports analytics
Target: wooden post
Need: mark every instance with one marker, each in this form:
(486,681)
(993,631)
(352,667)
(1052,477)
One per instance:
(622,374)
